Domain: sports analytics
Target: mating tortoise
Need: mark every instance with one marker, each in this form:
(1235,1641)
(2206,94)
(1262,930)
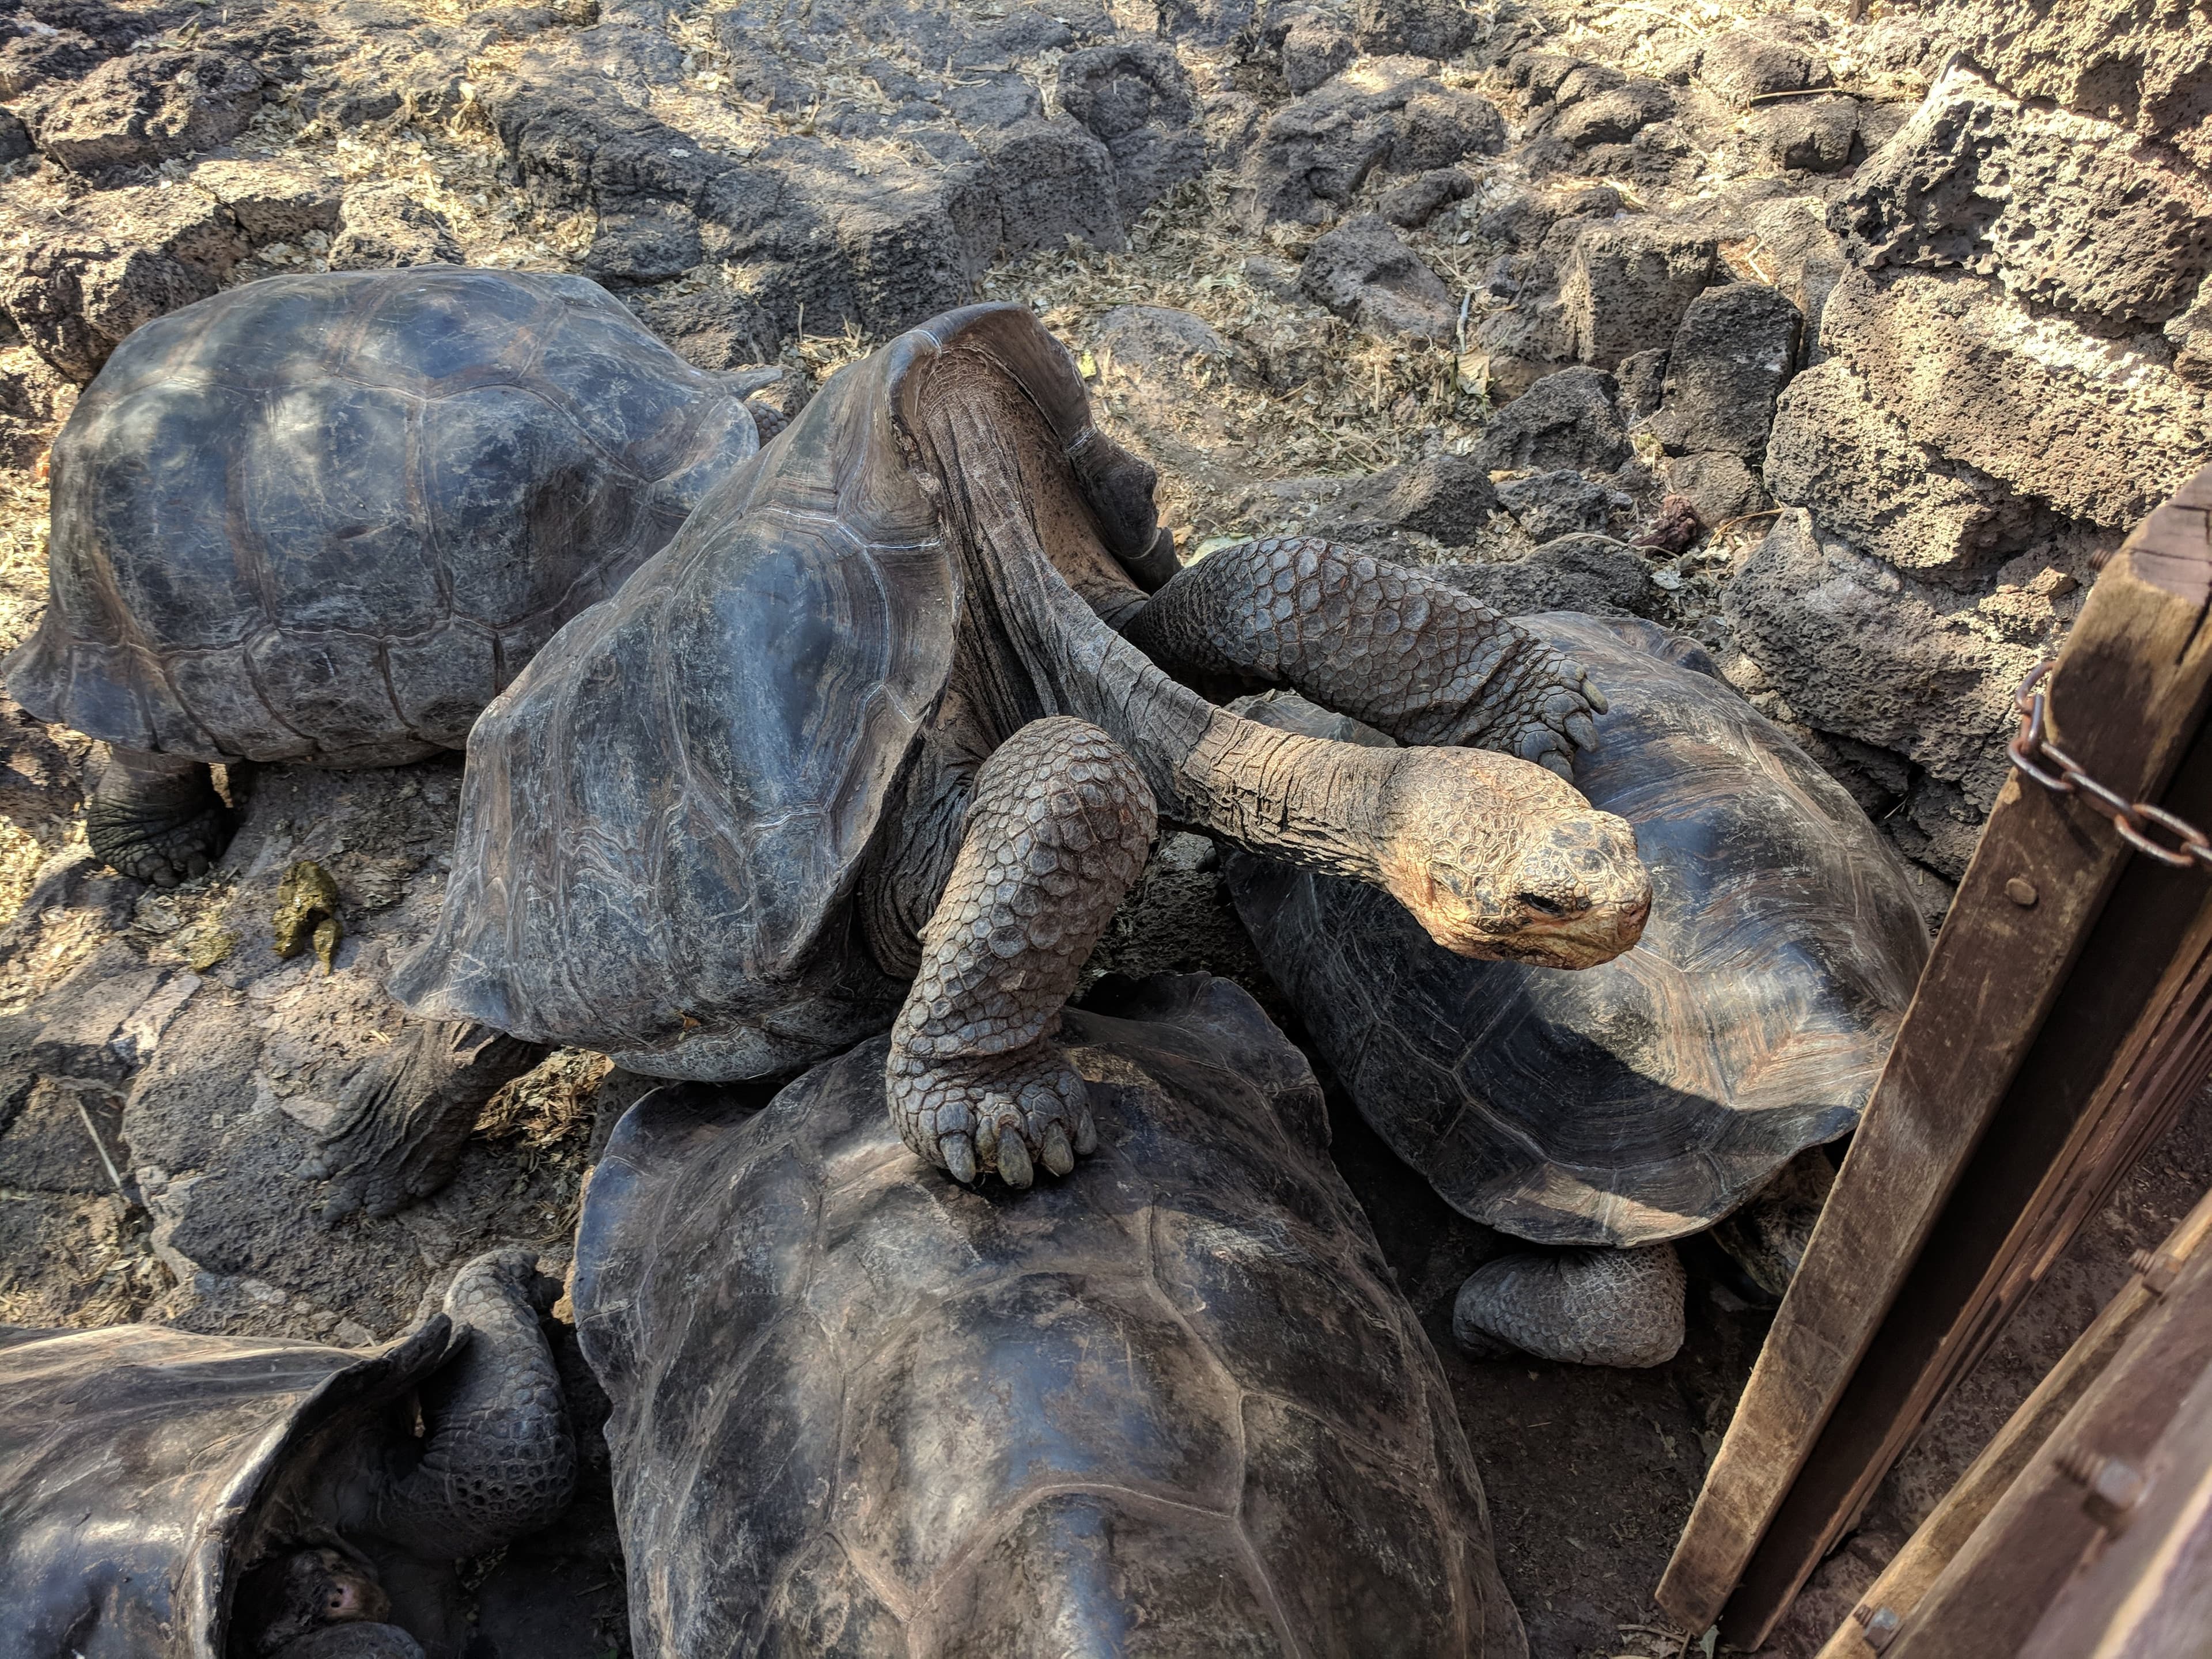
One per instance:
(326,518)
(863,747)
(1616,1110)
(1172,1405)
(169,1496)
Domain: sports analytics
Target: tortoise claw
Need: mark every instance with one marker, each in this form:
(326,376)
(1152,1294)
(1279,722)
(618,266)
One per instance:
(1005,1112)
(1014,1167)
(1594,697)
(1583,729)
(1055,1154)
(1546,748)
(1086,1135)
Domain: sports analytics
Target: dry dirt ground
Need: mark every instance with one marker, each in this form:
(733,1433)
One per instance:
(131,1188)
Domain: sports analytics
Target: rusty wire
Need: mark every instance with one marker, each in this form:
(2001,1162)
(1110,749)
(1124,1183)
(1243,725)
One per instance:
(2034,754)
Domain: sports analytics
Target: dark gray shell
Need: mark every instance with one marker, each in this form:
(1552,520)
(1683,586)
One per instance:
(1169,1405)
(326,518)
(663,818)
(1643,1099)
(134,1464)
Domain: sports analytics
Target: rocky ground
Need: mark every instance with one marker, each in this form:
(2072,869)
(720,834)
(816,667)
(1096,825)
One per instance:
(1845,341)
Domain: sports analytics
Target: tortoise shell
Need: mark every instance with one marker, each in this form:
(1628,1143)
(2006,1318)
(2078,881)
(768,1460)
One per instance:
(664,816)
(326,518)
(1643,1099)
(1172,1404)
(136,1466)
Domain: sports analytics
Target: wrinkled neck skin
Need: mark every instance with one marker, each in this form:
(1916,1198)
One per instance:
(1039,586)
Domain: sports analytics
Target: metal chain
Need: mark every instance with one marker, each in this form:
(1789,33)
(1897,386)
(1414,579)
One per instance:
(2132,819)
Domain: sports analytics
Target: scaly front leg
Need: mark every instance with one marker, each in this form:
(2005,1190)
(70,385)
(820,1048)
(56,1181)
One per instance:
(1056,835)
(1386,644)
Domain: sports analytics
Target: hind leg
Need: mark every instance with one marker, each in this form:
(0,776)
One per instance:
(1597,1307)
(500,1459)
(155,818)
(405,1118)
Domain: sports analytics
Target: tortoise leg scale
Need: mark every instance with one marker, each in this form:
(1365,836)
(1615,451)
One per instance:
(155,818)
(500,1459)
(1056,835)
(1583,1307)
(1384,643)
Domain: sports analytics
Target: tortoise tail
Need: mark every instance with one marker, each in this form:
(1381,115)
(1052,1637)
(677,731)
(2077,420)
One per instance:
(500,1459)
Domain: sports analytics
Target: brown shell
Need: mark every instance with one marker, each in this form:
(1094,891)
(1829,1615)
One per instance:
(1643,1099)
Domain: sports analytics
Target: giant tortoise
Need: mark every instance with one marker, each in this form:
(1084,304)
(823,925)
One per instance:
(169,1496)
(1173,1405)
(324,519)
(881,739)
(1613,1110)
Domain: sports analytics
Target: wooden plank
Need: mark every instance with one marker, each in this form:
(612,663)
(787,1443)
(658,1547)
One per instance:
(2150,1590)
(1897,1591)
(2101,1078)
(2128,698)
(1988,1601)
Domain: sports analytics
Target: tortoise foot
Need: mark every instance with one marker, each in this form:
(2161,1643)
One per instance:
(1011,1113)
(1601,1307)
(405,1118)
(156,820)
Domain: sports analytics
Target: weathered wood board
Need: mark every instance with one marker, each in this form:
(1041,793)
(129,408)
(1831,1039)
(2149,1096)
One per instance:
(2063,1007)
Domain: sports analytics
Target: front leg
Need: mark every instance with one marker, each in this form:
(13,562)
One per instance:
(1056,834)
(1386,644)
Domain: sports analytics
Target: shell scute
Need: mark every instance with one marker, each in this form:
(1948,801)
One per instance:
(150,511)
(332,690)
(437,681)
(503,473)
(325,484)
(430,333)
(217,689)
(1397,1572)
(1111,1390)
(1124,1572)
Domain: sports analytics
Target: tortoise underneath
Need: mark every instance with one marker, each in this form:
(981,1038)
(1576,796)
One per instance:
(172,1495)
(1172,1405)
(323,519)
(1605,1113)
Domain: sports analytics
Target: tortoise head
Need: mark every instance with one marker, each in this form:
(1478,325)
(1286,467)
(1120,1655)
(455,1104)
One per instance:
(1500,859)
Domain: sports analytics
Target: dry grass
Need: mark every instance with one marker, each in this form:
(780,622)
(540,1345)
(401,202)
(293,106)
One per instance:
(1367,401)
(80,1264)
(549,1106)
(23,525)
